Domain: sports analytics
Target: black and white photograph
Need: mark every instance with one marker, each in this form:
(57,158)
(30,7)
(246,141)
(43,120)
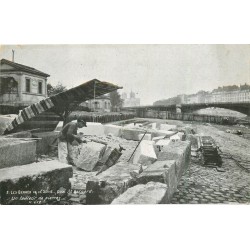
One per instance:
(124,124)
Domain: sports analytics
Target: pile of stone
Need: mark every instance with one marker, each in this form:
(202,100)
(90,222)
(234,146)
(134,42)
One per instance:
(158,163)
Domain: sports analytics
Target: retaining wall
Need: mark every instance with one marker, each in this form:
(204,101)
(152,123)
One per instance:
(185,116)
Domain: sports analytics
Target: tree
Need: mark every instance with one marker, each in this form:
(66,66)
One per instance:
(55,90)
(116,100)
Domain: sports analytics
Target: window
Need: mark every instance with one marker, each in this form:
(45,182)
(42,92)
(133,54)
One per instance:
(27,85)
(97,105)
(40,87)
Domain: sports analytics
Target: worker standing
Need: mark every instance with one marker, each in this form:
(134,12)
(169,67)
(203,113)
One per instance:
(68,138)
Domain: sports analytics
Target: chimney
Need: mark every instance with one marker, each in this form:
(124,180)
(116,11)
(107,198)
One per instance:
(13,55)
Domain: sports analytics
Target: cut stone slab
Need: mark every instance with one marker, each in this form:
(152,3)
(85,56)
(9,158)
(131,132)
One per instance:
(145,153)
(22,134)
(151,193)
(190,130)
(156,139)
(161,144)
(180,152)
(182,136)
(89,155)
(167,127)
(107,153)
(164,133)
(112,129)
(14,151)
(146,137)
(138,125)
(46,176)
(62,152)
(175,138)
(161,171)
(59,126)
(193,139)
(104,188)
(48,138)
(131,134)
(93,128)
(153,125)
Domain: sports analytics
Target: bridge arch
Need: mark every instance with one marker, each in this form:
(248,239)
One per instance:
(243,108)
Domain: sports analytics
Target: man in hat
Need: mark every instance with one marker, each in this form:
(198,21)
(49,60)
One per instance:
(67,138)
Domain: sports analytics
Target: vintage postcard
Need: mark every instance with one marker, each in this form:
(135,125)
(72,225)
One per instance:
(124,124)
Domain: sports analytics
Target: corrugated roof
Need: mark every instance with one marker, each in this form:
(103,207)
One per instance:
(63,101)
(22,67)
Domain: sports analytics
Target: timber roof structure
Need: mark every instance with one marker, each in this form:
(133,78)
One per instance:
(63,102)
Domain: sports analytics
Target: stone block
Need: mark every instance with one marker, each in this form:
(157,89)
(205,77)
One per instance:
(112,129)
(153,125)
(146,137)
(190,130)
(163,142)
(93,128)
(62,152)
(182,136)
(130,125)
(46,176)
(193,139)
(145,153)
(156,139)
(131,134)
(107,153)
(22,134)
(180,152)
(175,138)
(164,133)
(151,193)
(160,145)
(104,188)
(59,126)
(14,151)
(161,171)
(47,139)
(167,127)
(138,125)
(88,155)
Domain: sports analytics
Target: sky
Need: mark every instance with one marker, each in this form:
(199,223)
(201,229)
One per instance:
(154,72)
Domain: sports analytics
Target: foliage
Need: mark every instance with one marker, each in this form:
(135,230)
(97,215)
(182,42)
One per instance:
(169,101)
(53,90)
(115,99)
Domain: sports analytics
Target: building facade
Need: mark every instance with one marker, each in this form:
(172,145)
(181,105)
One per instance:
(100,104)
(218,97)
(20,84)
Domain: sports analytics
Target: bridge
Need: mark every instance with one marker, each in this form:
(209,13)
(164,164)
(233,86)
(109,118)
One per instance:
(242,107)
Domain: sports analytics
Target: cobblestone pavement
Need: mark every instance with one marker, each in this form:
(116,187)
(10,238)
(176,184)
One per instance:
(205,185)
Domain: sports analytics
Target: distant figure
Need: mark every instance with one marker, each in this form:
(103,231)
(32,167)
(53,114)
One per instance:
(68,138)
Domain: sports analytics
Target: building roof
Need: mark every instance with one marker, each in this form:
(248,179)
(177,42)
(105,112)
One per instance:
(63,101)
(21,67)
